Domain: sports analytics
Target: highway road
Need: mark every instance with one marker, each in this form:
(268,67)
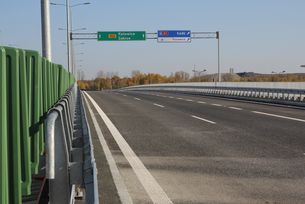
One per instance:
(163,148)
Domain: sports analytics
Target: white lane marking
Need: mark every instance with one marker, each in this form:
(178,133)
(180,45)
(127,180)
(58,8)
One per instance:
(202,102)
(158,105)
(170,97)
(235,108)
(279,116)
(124,95)
(180,98)
(215,104)
(189,100)
(153,189)
(205,120)
(137,99)
(117,178)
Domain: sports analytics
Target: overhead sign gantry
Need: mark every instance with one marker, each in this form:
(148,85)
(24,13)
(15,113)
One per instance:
(162,36)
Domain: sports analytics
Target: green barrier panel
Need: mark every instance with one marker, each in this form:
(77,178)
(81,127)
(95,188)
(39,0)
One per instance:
(13,126)
(40,111)
(56,84)
(3,130)
(51,74)
(61,80)
(49,90)
(25,136)
(29,86)
(34,64)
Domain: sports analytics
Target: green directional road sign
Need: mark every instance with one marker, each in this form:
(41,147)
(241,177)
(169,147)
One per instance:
(121,36)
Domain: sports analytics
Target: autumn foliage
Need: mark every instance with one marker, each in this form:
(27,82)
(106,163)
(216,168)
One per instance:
(137,78)
(103,82)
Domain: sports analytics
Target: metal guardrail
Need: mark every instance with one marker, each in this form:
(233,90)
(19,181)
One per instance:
(294,94)
(29,86)
(70,163)
(59,148)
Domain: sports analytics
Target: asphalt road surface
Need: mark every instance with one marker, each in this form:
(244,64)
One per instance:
(175,148)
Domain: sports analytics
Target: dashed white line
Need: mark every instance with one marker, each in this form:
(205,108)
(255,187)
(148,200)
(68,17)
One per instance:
(189,100)
(215,104)
(202,102)
(137,99)
(155,104)
(235,108)
(279,116)
(205,120)
(170,97)
(180,98)
(152,187)
(124,95)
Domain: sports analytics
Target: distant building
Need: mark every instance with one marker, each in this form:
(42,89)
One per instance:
(231,71)
(247,74)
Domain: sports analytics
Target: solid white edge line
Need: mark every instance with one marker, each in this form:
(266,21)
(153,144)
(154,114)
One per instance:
(158,105)
(205,120)
(279,116)
(117,178)
(235,108)
(153,189)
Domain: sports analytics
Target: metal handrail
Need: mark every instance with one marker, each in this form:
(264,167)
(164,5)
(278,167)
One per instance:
(58,145)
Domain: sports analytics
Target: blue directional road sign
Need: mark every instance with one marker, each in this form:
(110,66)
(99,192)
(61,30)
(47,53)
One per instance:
(174,36)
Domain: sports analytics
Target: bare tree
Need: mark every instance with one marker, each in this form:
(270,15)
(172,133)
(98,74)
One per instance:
(135,73)
(100,74)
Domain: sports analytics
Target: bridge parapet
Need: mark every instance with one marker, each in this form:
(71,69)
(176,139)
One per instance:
(290,93)
(29,86)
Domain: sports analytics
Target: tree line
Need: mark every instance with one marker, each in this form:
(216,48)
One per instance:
(113,81)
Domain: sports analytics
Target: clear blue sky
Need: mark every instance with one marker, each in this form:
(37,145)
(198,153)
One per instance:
(256,35)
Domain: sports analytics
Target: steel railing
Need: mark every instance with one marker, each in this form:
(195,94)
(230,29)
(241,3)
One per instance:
(280,93)
(29,86)
(70,160)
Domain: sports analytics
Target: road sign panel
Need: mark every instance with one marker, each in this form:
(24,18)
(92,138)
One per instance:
(121,36)
(174,36)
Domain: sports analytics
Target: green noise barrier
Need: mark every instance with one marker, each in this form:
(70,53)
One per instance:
(29,86)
